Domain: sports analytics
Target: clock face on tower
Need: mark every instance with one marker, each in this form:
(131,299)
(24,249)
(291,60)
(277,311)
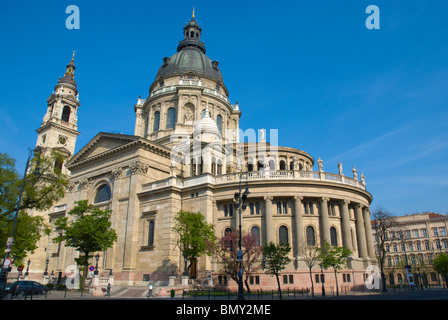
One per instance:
(62,140)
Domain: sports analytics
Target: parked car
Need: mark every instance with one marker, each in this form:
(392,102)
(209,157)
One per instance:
(27,287)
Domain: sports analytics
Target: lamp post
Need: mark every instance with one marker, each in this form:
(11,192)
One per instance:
(46,267)
(240,203)
(97,257)
(27,267)
(322,279)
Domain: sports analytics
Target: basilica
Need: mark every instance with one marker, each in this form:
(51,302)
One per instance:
(189,153)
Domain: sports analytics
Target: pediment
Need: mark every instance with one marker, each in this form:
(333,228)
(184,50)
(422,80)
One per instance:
(100,144)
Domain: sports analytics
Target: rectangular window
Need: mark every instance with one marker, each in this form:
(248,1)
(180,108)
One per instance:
(434,230)
(150,232)
(257,208)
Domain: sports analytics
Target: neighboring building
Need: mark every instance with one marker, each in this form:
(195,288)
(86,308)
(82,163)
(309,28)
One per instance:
(185,154)
(414,242)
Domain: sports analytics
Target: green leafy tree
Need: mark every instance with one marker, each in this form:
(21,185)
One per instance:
(43,187)
(275,259)
(335,257)
(196,236)
(88,231)
(28,232)
(441,265)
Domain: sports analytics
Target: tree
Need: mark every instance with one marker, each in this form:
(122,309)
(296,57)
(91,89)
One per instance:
(384,222)
(89,231)
(335,257)
(27,233)
(196,236)
(226,250)
(275,259)
(43,186)
(311,258)
(441,265)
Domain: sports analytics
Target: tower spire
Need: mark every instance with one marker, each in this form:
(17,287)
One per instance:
(69,75)
(193,14)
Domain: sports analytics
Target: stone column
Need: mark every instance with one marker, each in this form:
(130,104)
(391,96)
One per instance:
(324,221)
(360,232)
(269,226)
(298,219)
(369,235)
(345,224)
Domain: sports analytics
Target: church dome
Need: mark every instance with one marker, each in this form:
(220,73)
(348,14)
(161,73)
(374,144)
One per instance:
(206,129)
(190,56)
(190,59)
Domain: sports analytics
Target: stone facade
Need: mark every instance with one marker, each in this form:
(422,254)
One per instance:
(186,154)
(414,241)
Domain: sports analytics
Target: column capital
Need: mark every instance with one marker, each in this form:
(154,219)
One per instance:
(268,198)
(298,198)
(345,201)
(325,199)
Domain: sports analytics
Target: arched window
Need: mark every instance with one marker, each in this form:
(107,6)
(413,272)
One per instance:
(282,165)
(58,166)
(219,123)
(310,239)
(283,235)
(66,114)
(333,236)
(171,118)
(255,232)
(103,194)
(156,124)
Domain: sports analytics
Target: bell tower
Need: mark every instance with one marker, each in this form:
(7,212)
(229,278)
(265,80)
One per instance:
(59,128)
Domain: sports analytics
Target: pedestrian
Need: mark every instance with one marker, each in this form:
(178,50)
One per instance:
(172,294)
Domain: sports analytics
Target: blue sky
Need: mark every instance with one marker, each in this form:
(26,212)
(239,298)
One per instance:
(374,99)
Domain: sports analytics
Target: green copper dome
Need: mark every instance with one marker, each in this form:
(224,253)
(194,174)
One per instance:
(190,56)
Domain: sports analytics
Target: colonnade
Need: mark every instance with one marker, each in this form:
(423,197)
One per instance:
(362,222)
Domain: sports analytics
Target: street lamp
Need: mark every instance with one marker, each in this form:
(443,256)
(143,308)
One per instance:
(27,267)
(46,267)
(322,279)
(97,257)
(240,203)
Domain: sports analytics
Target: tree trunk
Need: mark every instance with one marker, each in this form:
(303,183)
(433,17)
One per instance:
(312,284)
(247,284)
(278,283)
(336,277)
(84,276)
